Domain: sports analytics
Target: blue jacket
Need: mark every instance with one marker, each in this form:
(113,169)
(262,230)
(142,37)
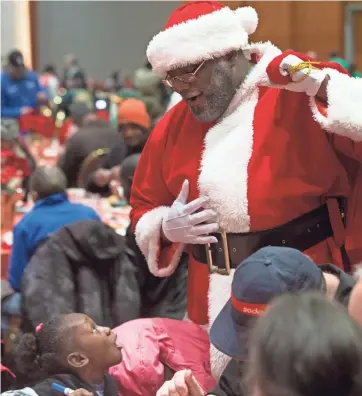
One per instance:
(16,94)
(48,215)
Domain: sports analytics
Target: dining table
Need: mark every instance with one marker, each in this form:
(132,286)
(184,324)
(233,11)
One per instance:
(113,211)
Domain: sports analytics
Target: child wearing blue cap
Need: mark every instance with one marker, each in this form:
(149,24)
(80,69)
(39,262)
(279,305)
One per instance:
(68,354)
(263,276)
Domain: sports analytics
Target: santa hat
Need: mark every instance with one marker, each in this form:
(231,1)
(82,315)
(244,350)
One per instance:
(198,31)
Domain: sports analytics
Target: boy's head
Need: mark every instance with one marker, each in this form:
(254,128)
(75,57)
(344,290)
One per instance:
(46,181)
(263,276)
(128,168)
(134,122)
(15,65)
(70,343)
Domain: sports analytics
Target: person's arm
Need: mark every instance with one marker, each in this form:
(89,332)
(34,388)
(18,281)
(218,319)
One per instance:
(68,161)
(40,88)
(141,356)
(183,383)
(230,383)
(19,257)
(335,96)
(98,181)
(338,103)
(151,201)
(6,110)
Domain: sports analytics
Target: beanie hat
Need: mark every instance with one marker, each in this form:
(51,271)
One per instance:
(198,31)
(133,111)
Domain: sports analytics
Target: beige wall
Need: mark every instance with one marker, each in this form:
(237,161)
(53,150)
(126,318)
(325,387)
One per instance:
(15,28)
(104,35)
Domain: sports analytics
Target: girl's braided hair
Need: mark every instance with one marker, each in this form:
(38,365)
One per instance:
(40,355)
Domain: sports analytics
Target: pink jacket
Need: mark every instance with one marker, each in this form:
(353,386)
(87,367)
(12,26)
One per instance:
(150,343)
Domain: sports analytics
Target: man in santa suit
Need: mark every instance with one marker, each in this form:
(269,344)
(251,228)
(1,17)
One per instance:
(250,157)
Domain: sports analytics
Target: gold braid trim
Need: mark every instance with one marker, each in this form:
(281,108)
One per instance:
(301,66)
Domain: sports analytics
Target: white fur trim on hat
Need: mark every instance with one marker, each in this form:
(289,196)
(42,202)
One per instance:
(200,39)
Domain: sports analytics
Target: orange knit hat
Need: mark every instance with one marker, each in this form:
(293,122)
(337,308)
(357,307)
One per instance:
(133,111)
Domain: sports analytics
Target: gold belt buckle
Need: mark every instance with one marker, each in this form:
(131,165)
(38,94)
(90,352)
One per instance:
(213,269)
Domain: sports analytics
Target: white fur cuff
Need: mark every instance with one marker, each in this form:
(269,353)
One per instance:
(344,114)
(148,234)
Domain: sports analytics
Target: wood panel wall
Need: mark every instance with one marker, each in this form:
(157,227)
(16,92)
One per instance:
(33,32)
(358,41)
(299,25)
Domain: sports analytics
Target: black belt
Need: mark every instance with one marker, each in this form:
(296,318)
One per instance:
(232,248)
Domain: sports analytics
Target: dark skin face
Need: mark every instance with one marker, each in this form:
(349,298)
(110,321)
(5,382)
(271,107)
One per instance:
(94,349)
(214,85)
(133,135)
(16,73)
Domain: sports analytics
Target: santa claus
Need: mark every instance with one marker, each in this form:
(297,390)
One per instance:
(255,154)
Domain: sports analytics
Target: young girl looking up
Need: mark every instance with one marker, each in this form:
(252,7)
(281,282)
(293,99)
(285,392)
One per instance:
(71,351)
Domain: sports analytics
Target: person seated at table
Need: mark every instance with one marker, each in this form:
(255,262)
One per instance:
(21,91)
(161,297)
(134,124)
(92,134)
(52,210)
(15,154)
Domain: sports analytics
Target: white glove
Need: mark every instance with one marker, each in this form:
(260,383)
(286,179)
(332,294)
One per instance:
(183,224)
(183,383)
(307,80)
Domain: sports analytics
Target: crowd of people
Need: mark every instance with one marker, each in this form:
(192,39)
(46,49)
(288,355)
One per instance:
(239,273)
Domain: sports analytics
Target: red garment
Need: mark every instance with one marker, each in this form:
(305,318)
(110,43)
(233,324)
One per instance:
(149,344)
(265,163)
(13,166)
(37,123)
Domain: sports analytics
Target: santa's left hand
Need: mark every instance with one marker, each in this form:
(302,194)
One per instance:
(290,72)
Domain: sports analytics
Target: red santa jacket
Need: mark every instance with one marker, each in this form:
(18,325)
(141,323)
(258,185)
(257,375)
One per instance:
(266,162)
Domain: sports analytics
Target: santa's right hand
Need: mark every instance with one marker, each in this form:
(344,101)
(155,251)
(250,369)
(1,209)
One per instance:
(185,224)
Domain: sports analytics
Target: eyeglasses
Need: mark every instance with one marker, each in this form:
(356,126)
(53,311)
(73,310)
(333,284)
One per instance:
(185,78)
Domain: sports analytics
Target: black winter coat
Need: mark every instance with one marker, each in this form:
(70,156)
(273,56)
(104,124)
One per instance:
(83,267)
(70,381)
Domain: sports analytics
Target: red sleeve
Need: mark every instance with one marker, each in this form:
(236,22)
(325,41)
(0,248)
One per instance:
(151,200)
(341,114)
(149,190)
(141,372)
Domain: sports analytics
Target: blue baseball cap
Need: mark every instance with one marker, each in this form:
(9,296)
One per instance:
(264,275)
